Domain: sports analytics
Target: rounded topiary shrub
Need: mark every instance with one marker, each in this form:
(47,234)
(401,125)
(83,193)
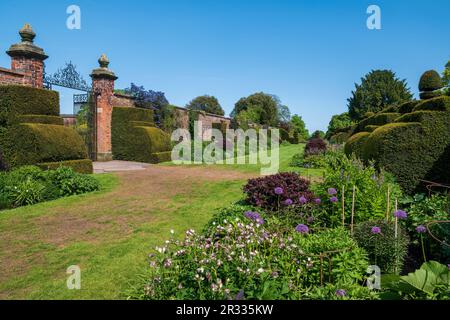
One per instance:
(430,81)
(384,249)
(271,191)
(355,144)
(315,147)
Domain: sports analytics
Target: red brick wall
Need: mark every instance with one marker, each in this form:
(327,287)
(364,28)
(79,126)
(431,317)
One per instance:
(32,68)
(8,77)
(119,100)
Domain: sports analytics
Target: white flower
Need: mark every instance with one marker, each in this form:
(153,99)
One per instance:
(172,232)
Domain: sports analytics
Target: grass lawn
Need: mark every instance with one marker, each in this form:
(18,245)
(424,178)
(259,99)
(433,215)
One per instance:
(110,233)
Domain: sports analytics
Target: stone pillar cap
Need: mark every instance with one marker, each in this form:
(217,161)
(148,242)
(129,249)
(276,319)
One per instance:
(103,72)
(27,48)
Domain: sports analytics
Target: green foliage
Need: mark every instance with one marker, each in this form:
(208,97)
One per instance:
(378,90)
(208,104)
(259,108)
(431,281)
(167,119)
(318,134)
(371,189)
(408,107)
(37,143)
(133,139)
(233,258)
(41,119)
(430,81)
(81,166)
(337,122)
(421,211)
(340,137)
(284,135)
(29,185)
(313,161)
(417,147)
(70,183)
(21,100)
(436,104)
(384,249)
(355,144)
(376,120)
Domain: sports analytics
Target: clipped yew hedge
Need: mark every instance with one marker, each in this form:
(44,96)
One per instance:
(413,150)
(355,144)
(80,166)
(376,120)
(408,107)
(135,138)
(441,103)
(41,119)
(29,143)
(21,100)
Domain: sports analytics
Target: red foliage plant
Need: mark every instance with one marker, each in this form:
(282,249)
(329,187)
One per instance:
(261,191)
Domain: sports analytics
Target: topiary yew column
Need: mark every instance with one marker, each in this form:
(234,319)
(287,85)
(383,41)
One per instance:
(28,59)
(103,87)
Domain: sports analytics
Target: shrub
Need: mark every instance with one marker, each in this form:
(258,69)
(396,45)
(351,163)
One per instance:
(383,248)
(371,128)
(284,135)
(240,259)
(315,146)
(316,161)
(414,150)
(340,137)
(71,183)
(408,107)
(80,166)
(261,192)
(376,120)
(430,81)
(430,95)
(26,192)
(21,100)
(355,144)
(371,190)
(436,104)
(421,211)
(26,144)
(41,119)
(135,139)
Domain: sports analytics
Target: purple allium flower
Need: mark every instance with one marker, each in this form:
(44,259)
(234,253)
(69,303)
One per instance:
(303,229)
(303,200)
(289,202)
(334,199)
(240,295)
(421,229)
(318,201)
(255,216)
(279,191)
(332,191)
(376,230)
(341,293)
(400,214)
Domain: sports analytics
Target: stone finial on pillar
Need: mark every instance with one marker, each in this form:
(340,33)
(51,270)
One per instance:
(103,87)
(28,58)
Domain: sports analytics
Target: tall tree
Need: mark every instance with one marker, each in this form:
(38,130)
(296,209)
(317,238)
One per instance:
(446,77)
(261,108)
(339,121)
(147,99)
(298,125)
(207,104)
(378,89)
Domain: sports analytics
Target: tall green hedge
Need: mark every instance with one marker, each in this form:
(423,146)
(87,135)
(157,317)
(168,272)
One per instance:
(408,107)
(21,100)
(28,143)
(135,138)
(376,120)
(414,150)
(441,103)
(41,119)
(355,143)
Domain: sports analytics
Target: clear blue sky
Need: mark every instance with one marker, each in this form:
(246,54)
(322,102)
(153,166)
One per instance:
(309,53)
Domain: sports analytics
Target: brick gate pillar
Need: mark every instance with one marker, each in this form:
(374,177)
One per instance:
(103,87)
(28,58)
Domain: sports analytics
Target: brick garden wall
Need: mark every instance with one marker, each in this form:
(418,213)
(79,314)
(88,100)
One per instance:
(10,77)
